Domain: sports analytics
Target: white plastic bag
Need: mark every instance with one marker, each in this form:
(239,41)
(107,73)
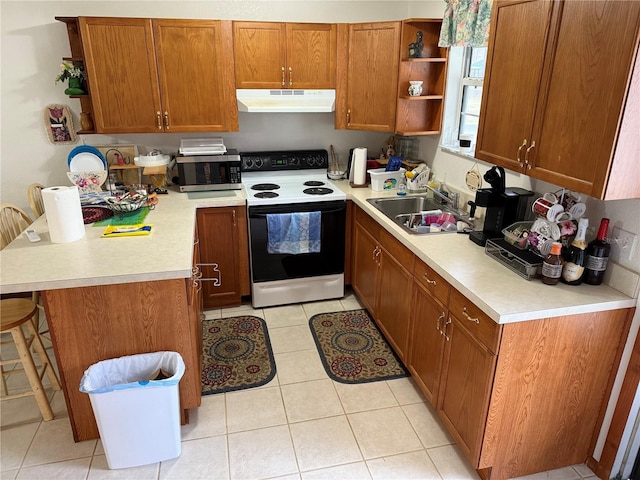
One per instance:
(133,371)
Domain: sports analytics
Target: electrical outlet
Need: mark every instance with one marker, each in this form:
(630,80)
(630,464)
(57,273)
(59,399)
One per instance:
(622,244)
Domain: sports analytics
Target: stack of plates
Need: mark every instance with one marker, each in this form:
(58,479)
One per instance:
(86,159)
(87,168)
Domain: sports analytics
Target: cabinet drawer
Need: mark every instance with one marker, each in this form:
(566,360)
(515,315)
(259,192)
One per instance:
(475,320)
(397,250)
(369,224)
(433,282)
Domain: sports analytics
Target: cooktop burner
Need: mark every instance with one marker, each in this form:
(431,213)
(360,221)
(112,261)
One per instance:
(265,186)
(313,183)
(317,191)
(266,194)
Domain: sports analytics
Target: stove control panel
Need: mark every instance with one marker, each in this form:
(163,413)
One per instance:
(284,160)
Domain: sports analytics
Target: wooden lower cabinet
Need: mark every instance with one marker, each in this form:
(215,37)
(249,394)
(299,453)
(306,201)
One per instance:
(382,278)
(518,398)
(463,395)
(224,255)
(90,324)
(428,318)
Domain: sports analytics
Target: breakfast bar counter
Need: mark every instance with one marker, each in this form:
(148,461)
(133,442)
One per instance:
(111,297)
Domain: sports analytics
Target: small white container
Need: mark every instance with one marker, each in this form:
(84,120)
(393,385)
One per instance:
(381,180)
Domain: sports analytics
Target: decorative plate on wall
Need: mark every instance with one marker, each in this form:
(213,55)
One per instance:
(59,124)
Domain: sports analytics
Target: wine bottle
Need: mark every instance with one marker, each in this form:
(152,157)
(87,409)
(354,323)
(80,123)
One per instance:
(597,256)
(574,259)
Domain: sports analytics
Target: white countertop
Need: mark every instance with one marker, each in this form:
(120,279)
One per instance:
(500,293)
(167,252)
(92,260)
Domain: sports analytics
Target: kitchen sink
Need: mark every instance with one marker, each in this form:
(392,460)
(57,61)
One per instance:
(421,214)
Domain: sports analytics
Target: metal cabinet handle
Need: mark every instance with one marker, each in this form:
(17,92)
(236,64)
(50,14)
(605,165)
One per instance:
(283,76)
(290,77)
(524,144)
(444,332)
(471,319)
(526,155)
(158,120)
(438,322)
(235,223)
(430,282)
(166,120)
(349,117)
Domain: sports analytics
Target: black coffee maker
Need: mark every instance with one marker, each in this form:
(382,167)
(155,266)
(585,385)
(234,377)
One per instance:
(504,206)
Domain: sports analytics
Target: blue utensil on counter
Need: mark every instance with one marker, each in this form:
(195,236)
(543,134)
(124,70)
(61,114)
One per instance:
(394,164)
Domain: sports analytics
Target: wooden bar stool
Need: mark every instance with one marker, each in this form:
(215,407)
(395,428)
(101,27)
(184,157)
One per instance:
(14,313)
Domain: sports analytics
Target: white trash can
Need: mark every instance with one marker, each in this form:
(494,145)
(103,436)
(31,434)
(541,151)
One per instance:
(138,416)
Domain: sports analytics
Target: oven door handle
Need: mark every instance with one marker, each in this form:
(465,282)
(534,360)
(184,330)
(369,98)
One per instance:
(264,215)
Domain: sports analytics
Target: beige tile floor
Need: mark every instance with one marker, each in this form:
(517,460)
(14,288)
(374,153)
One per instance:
(301,425)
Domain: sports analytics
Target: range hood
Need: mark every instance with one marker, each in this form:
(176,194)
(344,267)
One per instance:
(282,101)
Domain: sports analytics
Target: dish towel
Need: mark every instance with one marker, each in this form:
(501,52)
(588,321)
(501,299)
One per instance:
(293,233)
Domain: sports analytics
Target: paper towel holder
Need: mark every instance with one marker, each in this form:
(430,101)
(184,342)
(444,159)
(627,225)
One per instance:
(350,167)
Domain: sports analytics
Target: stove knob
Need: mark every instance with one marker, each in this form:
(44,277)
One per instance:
(259,163)
(248,163)
(295,161)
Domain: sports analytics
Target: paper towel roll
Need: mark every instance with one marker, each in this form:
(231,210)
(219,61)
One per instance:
(359,166)
(64,213)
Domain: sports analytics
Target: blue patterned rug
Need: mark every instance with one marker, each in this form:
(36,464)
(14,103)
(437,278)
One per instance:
(352,349)
(237,354)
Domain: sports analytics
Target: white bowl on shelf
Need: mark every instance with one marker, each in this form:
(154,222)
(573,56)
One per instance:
(152,160)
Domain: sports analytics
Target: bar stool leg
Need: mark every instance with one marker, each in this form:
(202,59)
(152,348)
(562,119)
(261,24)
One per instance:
(44,358)
(3,385)
(32,372)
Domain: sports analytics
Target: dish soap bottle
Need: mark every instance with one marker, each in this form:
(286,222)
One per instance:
(552,265)
(575,256)
(597,256)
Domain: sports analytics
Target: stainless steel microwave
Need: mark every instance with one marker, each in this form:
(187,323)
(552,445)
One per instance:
(209,172)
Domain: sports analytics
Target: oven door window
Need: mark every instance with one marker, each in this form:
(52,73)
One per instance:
(329,260)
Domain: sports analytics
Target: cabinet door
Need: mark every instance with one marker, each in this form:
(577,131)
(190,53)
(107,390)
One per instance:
(465,387)
(311,55)
(426,343)
(365,266)
(394,302)
(195,68)
(517,48)
(121,64)
(577,123)
(260,54)
(372,76)
(222,245)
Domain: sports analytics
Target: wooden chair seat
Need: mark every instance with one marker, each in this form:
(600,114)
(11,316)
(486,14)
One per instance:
(14,313)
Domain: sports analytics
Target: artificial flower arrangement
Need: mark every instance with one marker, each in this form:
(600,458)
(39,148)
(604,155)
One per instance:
(74,75)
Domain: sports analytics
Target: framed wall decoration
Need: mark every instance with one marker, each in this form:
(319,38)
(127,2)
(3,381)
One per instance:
(59,124)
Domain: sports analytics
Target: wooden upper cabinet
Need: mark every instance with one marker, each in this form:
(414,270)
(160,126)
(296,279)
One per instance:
(284,55)
(121,65)
(559,91)
(195,68)
(150,76)
(372,77)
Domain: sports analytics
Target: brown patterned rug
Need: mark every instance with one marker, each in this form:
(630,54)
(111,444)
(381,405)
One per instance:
(352,348)
(236,354)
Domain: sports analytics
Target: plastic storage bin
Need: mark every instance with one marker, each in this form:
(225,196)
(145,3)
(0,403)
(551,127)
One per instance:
(138,418)
(381,180)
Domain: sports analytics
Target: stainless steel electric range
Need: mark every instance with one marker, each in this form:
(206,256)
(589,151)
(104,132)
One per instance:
(296,221)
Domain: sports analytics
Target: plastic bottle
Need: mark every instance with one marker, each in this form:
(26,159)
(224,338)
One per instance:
(575,257)
(552,265)
(597,256)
